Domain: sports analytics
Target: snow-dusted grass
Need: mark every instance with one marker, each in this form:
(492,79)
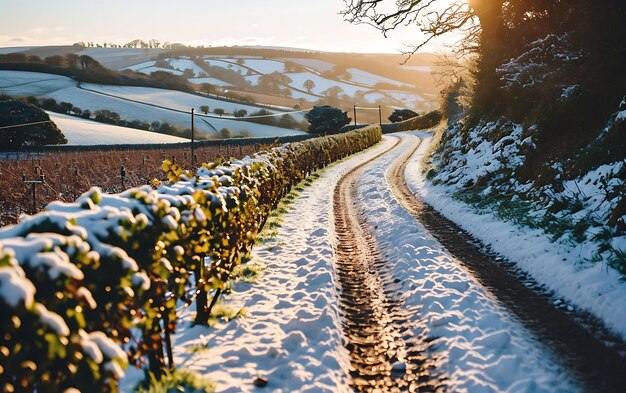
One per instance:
(169,98)
(211,80)
(265,66)
(475,341)
(561,266)
(140,66)
(64,89)
(318,65)
(15,49)
(32,83)
(229,64)
(80,131)
(119,58)
(148,67)
(369,79)
(254,79)
(184,64)
(149,70)
(321,83)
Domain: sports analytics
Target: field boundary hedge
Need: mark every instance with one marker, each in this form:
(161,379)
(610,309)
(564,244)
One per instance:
(427,120)
(88,287)
(155,146)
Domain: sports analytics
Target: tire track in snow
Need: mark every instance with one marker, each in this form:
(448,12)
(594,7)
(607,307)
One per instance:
(385,355)
(590,352)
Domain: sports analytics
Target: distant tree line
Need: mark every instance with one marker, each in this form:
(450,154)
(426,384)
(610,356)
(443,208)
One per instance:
(83,68)
(103,116)
(138,43)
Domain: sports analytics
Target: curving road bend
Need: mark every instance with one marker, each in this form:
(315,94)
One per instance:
(403,268)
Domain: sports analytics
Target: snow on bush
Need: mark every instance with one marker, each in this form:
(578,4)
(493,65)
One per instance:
(83,280)
(537,64)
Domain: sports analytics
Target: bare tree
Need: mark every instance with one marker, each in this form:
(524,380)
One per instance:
(434,18)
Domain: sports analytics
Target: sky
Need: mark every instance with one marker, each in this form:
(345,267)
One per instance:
(309,24)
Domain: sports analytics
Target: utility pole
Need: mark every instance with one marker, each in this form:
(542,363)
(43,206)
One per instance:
(33,185)
(355,115)
(193,155)
(380,116)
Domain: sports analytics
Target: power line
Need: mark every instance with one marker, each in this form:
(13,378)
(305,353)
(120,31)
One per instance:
(25,124)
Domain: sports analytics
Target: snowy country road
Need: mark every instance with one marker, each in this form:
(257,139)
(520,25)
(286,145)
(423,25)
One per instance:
(384,352)
(357,293)
(584,346)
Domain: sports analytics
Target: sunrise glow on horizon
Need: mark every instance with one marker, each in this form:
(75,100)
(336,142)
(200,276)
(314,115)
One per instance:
(284,23)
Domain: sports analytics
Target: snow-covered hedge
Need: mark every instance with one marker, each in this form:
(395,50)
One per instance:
(86,287)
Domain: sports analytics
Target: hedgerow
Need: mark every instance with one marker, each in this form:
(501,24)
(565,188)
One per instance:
(88,287)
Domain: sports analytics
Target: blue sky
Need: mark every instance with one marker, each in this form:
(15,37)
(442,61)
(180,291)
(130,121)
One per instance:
(312,24)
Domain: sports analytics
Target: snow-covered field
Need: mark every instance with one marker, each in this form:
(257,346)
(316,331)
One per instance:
(118,58)
(211,80)
(360,81)
(369,79)
(140,66)
(560,266)
(318,65)
(14,49)
(254,79)
(87,132)
(321,83)
(169,98)
(64,89)
(265,66)
(184,64)
(228,64)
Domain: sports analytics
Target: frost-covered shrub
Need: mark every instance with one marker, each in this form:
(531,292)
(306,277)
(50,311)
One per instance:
(542,80)
(539,62)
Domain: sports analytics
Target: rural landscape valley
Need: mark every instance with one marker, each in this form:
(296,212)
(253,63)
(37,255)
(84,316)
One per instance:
(346,196)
